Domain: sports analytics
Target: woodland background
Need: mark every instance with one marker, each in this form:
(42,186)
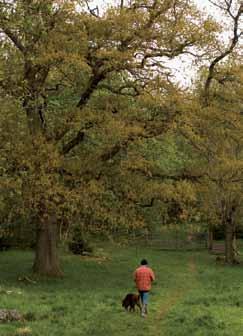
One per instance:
(98,138)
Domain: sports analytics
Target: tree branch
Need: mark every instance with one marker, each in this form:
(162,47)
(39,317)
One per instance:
(234,41)
(73,143)
(120,90)
(94,82)
(14,38)
(93,11)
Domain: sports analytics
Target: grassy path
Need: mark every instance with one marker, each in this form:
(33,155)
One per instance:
(174,296)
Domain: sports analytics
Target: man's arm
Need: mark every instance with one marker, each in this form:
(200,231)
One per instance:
(152,276)
(135,276)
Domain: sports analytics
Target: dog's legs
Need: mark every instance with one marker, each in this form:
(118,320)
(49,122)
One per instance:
(139,306)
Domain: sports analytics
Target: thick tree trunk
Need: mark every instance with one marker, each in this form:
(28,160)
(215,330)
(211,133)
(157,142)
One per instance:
(46,258)
(229,245)
(230,230)
(210,238)
(236,252)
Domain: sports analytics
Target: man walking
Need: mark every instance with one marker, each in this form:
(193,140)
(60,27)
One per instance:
(143,277)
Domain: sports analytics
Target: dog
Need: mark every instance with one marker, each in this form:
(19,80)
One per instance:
(130,301)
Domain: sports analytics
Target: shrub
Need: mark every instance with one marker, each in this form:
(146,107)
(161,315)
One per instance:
(5,243)
(79,243)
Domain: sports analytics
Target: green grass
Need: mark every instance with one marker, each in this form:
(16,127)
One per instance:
(191,296)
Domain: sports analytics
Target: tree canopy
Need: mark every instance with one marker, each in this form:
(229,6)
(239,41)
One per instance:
(90,111)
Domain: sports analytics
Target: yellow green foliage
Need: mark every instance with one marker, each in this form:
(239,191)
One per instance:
(82,95)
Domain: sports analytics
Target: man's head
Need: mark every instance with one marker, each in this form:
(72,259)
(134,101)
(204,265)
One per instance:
(144,262)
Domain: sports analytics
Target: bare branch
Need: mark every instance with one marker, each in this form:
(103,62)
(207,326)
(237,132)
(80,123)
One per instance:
(93,11)
(217,5)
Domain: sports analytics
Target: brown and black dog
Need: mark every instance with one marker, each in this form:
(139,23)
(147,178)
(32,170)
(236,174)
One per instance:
(130,301)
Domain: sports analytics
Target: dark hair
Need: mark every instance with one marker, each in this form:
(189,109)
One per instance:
(144,262)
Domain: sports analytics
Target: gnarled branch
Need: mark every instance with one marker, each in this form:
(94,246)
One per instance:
(228,51)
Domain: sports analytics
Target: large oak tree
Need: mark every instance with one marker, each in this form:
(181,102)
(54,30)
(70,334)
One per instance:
(78,88)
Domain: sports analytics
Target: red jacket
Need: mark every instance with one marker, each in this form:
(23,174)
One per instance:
(143,276)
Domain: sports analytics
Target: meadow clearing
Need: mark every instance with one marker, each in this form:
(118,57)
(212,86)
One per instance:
(192,295)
